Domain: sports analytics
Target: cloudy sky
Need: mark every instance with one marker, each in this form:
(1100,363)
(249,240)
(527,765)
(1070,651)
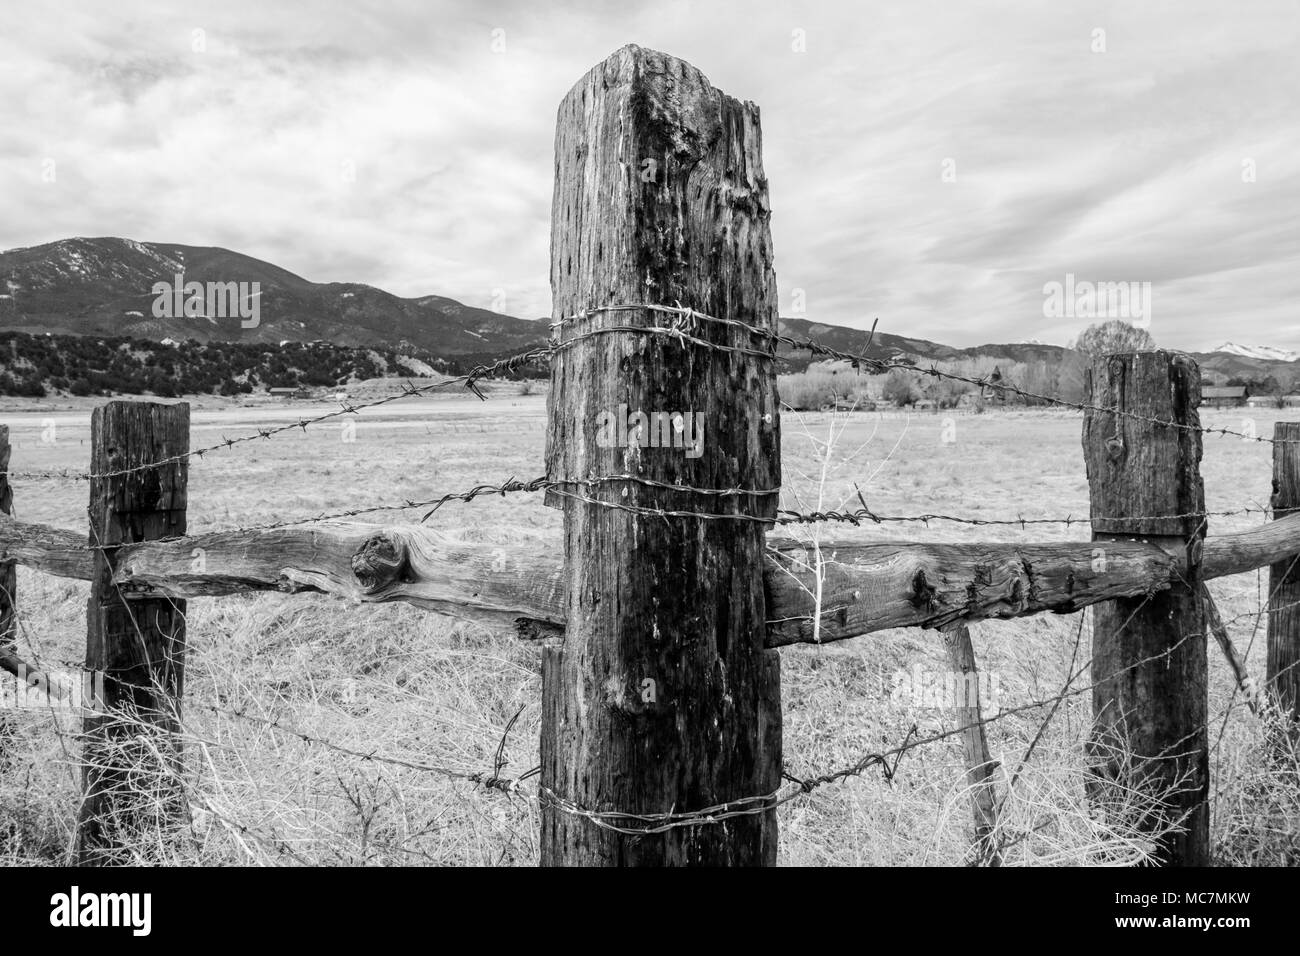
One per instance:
(932,164)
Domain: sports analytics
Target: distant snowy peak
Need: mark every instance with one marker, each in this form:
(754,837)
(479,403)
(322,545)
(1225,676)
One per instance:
(1266,352)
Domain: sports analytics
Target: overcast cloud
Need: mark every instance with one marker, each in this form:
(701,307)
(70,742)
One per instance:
(389,144)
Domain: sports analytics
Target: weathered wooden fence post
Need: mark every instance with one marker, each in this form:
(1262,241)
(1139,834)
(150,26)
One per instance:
(1283,675)
(662,698)
(138,646)
(1148,653)
(8,569)
(981,768)
(8,583)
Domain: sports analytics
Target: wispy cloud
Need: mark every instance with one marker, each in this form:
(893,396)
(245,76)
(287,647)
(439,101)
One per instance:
(408,145)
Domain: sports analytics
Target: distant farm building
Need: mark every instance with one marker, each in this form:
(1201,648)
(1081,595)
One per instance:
(851,405)
(1227,396)
(1274,401)
(288,393)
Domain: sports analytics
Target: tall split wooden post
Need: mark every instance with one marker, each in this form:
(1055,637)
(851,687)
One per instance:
(662,698)
(137,645)
(1148,653)
(1283,675)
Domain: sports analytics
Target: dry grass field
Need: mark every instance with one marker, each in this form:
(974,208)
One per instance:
(409,686)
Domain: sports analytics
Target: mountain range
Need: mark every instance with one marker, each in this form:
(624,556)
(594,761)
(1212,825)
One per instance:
(105,286)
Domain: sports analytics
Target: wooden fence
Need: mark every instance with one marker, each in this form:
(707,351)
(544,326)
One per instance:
(660,623)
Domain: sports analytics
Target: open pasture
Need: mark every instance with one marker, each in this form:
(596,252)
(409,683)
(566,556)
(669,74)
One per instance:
(397,684)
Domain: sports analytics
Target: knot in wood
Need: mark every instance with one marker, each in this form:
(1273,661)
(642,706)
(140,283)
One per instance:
(1016,598)
(923,592)
(380,561)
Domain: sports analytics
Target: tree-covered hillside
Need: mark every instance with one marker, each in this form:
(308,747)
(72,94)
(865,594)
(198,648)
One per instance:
(36,365)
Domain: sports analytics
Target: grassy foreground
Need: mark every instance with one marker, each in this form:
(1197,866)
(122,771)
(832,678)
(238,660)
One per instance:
(414,687)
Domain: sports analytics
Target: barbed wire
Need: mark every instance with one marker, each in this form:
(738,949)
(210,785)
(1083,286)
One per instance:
(488,779)
(649,823)
(408,390)
(510,486)
(865,515)
(686,319)
(857,517)
(643,823)
(652,823)
(612,819)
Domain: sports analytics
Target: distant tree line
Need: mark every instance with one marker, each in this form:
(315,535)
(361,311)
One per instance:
(1009,383)
(1264,384)
(979,382)
(34,365)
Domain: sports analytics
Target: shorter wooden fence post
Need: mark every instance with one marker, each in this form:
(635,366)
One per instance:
(8,587)
(1283,675)
(131,756)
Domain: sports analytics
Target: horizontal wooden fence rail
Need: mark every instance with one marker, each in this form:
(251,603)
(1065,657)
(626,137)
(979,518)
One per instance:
(865,587)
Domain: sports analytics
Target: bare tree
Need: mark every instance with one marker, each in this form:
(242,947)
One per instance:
(1113,336)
